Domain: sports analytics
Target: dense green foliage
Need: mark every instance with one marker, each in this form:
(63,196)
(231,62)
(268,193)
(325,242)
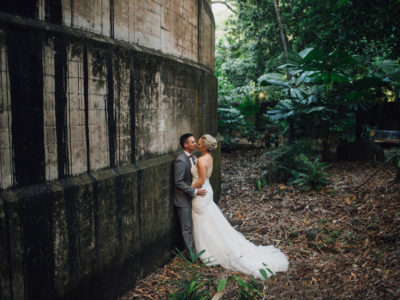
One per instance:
(252,43)
(325,93)
(195,285)
(294,163)
(368,28)
(311,173)
(343,59)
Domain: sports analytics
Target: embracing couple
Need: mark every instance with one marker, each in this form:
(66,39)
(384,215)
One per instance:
(203,225)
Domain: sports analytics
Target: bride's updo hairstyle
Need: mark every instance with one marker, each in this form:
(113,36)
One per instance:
(209,141)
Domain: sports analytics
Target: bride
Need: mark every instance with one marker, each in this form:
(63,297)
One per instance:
(224,245)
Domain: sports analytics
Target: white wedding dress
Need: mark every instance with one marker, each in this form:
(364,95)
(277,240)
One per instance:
(224,245)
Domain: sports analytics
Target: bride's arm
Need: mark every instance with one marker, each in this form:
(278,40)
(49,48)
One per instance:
(201,168)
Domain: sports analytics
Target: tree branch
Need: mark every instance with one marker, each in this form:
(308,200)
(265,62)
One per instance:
(224,3)
(282,33)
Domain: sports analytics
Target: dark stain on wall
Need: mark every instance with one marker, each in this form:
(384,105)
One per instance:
(110,110)
(95,225)
(24,8)
(86,101)
(70,194)
(26,86)
(139,200)
(132,111)
(119,205)
(81,212)
(72,6)
(199,5)
(7,263)
(60,85)
(53,11)
(112,18)
(117,105)
(35,211)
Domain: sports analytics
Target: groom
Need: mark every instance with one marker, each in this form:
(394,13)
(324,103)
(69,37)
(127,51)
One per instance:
(183,190)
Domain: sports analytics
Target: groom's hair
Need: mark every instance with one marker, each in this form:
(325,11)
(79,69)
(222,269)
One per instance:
(184,138)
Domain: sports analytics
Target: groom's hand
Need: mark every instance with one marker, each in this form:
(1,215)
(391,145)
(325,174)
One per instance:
(179,191)
(201,192)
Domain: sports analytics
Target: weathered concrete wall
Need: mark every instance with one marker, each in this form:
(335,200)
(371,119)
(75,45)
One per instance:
(95,229)
(93,98)
(171,26)
(90,85)
(95,106)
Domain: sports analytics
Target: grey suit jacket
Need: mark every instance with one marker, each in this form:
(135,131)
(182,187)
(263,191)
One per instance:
(183,180)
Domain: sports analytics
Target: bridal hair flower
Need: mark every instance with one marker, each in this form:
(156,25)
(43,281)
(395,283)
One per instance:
(209,141)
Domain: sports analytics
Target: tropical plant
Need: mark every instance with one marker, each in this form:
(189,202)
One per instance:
(311,173)
(283,161)
(250,289)
(325,92)
(252,47)
(190,290)
(230,124)
(194,285)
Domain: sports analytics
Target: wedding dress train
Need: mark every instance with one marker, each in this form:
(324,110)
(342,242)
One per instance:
(224,245)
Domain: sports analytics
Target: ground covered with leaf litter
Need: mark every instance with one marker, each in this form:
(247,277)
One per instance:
(342,242)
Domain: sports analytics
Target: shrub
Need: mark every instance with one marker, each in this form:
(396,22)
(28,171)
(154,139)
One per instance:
(230,124)
(283,160)
(196,286)
(294,164)
(311,173)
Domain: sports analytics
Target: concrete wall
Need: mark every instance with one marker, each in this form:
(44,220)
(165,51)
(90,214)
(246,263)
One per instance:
(93,98)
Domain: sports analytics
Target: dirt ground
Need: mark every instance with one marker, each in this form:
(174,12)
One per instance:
(342,242)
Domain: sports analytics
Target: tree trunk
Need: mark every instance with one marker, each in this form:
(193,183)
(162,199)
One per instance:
(358,125)
(326,151)
(283,38)
(282,32)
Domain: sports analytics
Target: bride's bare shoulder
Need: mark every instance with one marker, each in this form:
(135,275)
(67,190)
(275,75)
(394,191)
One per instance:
(201,161)
(205,158)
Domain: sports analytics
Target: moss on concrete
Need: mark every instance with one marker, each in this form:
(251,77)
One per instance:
(69,234)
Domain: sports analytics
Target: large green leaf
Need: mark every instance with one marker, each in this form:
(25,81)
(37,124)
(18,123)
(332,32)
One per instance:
(272,78)
(305,52)
(264,274)
(296,93)
(306,76)
(315,56)
(221,285)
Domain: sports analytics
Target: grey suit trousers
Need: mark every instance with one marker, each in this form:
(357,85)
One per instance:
(183,197)
(185,220)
